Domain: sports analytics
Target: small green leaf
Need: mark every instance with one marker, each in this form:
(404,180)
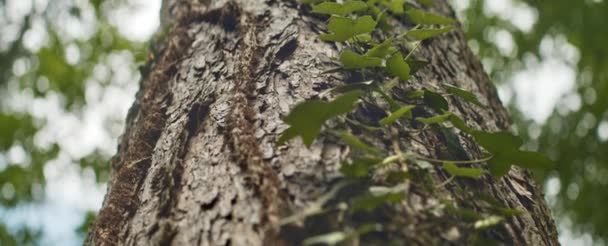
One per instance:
(359,167)
(346,8)
(465,95)
(382,50)
(497,141)
(403,111)
(454,170)
(434,120)
(426,18)
(460,124)
(369,202)
(416,65)
(435,100)
(352,60)
(358,144)
(344,28)
(396,66)
(488,222)
(307,118)
(422,34)
(395,6)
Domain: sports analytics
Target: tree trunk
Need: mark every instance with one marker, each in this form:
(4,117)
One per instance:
(198,163)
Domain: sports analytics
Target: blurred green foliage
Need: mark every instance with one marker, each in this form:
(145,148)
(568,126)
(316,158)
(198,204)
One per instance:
(43,69)
(569,137)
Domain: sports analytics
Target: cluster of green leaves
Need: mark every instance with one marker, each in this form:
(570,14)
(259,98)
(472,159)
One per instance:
(359,25)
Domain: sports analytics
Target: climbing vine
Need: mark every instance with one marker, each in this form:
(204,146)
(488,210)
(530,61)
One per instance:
(379,61)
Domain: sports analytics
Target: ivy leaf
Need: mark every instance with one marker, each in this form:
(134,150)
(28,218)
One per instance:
(332,8)
(352,60)
(434,120)
(454,170)
(359,167)
(529,159)
(395,6)
(416,65)
(497,141)
(369,202)
(435,100)
(358,144)
(460,124)
(422,34)
(426,18)
(344,28)
(396,66)
(307,118)
(403,111)
(382,50)
(465,95)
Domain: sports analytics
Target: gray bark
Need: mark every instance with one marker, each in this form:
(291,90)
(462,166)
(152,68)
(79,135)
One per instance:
(198,163)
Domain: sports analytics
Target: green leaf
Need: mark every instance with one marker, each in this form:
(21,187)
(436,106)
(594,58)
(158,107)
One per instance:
(460,124)
(346,8)
(465,95)
(395,6)
(344,28)
(416,65)
(426,18)
(369,202)
(499,165)
(454,170)
(352,60)
(403,111)
(497,141)
(307,118)
(427,3)
(359,167)
(435,100)
(396,66)
(529,159)
(358,144)
(422,34)
(382,50)
(434,120)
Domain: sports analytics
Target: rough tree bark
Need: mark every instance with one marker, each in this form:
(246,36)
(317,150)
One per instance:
(198,162)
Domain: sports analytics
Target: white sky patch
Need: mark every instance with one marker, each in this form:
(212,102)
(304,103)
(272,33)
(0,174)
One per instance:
(138,20)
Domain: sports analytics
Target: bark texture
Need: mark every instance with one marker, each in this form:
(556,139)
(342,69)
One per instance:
(198,163)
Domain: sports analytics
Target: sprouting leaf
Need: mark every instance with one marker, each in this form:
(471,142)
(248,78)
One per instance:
(465,95)
(352,60)
(382,50)
(496,142)
(332,8)
(395,6)
(490,221)
(403,111)
(422,34)
(426,18)
(307,118)
(396,66)
(454,170)
(359,167)
(435,100)
(434,120)
(358,144)
(344,28)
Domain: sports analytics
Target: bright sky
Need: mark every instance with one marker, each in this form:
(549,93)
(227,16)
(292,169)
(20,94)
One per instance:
(69,194)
